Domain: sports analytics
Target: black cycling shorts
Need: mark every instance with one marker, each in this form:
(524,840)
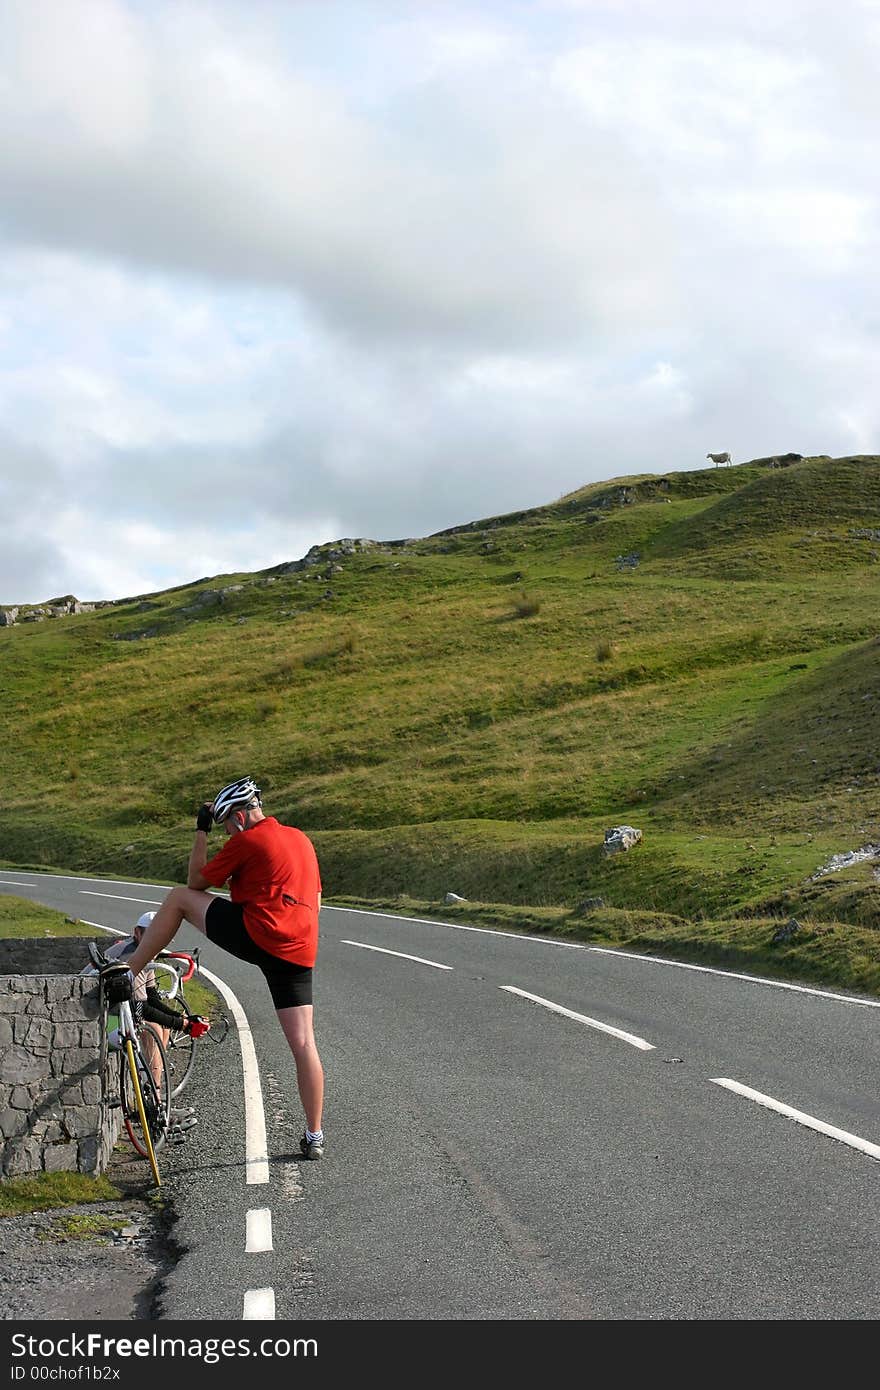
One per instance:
(289,985)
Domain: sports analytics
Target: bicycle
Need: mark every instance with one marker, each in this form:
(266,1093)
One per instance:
(180,1049)
(181,1045)
(145,1100)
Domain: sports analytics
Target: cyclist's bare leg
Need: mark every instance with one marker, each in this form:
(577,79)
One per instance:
(151,1052)
(297,1023)
(181,904)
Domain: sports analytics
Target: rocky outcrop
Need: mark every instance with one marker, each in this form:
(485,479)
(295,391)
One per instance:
(329,554)
(786,932)
(846,859)
(39,612)
(620,838)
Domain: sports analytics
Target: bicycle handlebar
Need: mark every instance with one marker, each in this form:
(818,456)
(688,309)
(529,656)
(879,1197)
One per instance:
(184,955)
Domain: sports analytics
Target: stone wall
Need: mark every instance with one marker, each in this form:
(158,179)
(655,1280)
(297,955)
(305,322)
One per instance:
(58,1079)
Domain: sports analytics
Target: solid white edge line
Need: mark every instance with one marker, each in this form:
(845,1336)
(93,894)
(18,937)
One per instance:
(118,897)
(256,1149)
(548,941)
(259,1231)
(402,954)
(82,878)
(582,1018)
(457,926)
(735,975)
(853,1140)
(259,1305)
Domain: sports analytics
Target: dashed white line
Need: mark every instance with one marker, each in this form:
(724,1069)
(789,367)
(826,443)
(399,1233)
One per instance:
(14,883)
(259,1231)
(383,951)
(843,1135)
(259,1305)
(582,1018)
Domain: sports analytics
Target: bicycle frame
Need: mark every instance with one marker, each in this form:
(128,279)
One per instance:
(135,1056)
(130,1042)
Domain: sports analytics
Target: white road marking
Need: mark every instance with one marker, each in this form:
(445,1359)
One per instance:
(90,892)
(256,1150)
(582,1018)
(612,951)
(259,1305)
(80,878)
(522,936)
(457,926)
(853,1140)
(15,883)
(734,975)
(364,947)
(259,1231)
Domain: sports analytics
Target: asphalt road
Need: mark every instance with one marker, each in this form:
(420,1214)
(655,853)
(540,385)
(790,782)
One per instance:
(490,1157)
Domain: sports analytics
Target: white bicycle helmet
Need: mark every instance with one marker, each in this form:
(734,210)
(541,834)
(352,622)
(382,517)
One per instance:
(145,919)
(235,796)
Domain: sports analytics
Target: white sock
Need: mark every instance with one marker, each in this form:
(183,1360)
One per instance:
(314,1138)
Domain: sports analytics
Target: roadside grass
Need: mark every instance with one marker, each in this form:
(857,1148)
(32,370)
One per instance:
(44,1191)
(20,918)
(81,1226)
(831,954)
(722,697)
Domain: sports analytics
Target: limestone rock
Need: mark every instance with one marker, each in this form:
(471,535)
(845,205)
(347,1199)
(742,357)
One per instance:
(785,933)
(621,837)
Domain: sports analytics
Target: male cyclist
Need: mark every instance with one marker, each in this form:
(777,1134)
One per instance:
(271,921)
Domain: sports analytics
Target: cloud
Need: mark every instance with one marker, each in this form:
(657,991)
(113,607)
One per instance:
(273,273)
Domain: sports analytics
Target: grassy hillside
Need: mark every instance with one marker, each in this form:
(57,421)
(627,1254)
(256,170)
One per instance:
(695,654)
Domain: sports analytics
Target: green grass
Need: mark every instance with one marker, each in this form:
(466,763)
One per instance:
(45,1191)
(824,952)
(21,918)
(81,1226)
(473,710)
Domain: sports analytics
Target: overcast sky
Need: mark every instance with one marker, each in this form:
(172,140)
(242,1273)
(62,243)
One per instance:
(277,273)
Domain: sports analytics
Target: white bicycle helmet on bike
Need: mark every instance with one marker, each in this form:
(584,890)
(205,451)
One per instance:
(235,797)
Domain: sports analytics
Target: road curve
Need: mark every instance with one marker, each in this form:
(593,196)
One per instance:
(522,1128)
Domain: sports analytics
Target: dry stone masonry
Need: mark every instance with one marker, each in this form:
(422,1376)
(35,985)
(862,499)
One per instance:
(58,1084)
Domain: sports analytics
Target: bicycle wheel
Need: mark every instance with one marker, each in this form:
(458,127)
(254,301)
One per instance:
(181,1054)
(156,1096)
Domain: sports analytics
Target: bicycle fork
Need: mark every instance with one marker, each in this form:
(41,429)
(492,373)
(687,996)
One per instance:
(139,1101)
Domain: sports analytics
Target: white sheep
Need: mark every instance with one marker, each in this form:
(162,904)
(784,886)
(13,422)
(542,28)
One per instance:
(719,458)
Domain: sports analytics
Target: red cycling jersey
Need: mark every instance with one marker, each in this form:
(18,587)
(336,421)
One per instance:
(273,872)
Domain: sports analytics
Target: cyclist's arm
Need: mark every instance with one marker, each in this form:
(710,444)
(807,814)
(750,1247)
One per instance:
(156,1010)
(197,860)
